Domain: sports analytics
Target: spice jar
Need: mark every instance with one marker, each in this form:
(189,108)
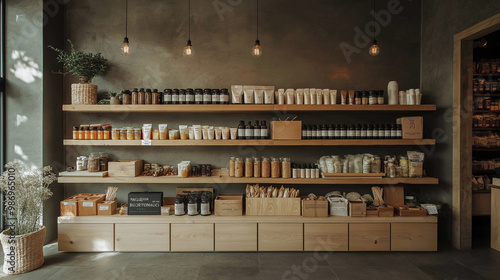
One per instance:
(123,133)
(93,163)
(130,133)
(179,207)
(87,133)
(167,96)
(205,205)
(376,165)
(182,96)
(215,96)
(266,167)
(175,96)
(141,96)
(103,161)
(76,133)
(231,166)
(81,133)
(207,96)
(192,206)
(107,133)
(189,96)
(238,167)
(286,168)
(365,98)
(100,133)
(224,96)
(198,96)
(248,167)
(256,167)
(115,134)
(126,98)
(156,97)
(372,97)
(380,98)
(275,167)
(135,96)
(148,96)
(93,133)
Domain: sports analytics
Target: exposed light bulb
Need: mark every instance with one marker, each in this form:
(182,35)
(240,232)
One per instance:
(257,49)
(188,50)
(374,49)
(126,46)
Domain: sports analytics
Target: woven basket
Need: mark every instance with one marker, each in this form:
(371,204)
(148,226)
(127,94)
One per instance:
(28,251)
(83,93)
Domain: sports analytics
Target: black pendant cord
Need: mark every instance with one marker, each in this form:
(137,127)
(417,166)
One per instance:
(189,20)
(257,20)
(126,18)
(373,19)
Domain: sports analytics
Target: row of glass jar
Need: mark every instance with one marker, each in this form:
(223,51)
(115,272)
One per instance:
(94,163)
(176,96)
(257,167)
(87,132)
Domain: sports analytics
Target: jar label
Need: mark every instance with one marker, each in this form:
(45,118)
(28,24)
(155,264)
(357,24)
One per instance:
(189,98)
(205,209)
(68,203)
(167,97)
(363,133)
(103,207)
(192,210)
(182,98)
(207,98)
(175,98)
(198,98)
(343,133)
(248,132)
(337,133)
(263,133)
(398,133)
(215,98)
(241,132)
(369,133)
(179,209)
(224,98)
(88,204)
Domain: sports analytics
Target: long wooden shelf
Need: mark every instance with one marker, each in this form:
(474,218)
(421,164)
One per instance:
(233,180)
(239,108)
(238,219)
(263,142)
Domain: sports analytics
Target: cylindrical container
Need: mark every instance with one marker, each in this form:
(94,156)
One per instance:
(137,133)
(286,168)
(238,167)
(93,163)
(205,204)
(115,133)
(167,96)
(81,133)
(93,133)
(155,99)
(376,165)
(392,92)
(403,164)
(76,133)
(182,96)
(192,207)
(103,161)
(179,208)
(275,168)
(106,133)
(266,167)
(391,170)
(418,97)
(231,166)
(126,98)
(141,97)
(123,133)
(402,97)
(175,96)
(198,96)
(256,167)
(207,96)
(135,96)
(248,167)
(100,133)
(189,96)
(130,133)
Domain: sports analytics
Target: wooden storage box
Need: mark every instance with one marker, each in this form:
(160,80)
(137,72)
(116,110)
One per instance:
(386,211)
(412,127)
(88,205)
(286,130)
(107,207)
(273,206)
(372,212)
(230,204)
(125,168)
(165,210)
(357,209)
(69,206)
(338,206)
(314,208)
(405,210)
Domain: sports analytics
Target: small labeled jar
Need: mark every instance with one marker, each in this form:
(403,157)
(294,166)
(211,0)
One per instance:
(115,133)
(286,168)
(198,96)
(167,96)
(107,133)
(189,96)
(81,133)
(179,206)
(155,99)
(137,133)
(372,97)
(231,166)
(93,163)
(76,133)
(141,99)
(224,96)
(256,167)
(380,98)
(93,133)
(103,161)
(130,133)
(175,96)
(215,96)
(207,96)
(238,167)
(182,96)
(135,96)
(265,167)
(249,167)
(275,168)
(126,98)
(205,206)
(123,133)
(87,133)
(148,96)
(364,98)
(100,133)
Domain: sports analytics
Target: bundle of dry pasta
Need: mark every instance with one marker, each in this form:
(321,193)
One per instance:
(257,191)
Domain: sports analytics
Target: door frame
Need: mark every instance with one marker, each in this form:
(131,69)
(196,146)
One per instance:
(462,128)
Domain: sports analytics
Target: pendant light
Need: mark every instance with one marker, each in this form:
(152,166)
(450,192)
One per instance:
(257,50)
(374,49)
(126,47)
(188,51)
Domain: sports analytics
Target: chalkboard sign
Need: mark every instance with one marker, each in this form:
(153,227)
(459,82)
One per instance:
(145,203)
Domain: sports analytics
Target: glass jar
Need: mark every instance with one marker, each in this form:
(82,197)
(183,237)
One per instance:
(115,133)
(93,163)
(231,166)
(256,167)
(167,96)
(130,133)
(286,168)
(103,161)
(137,133)
(238,167)
(189,96)
(182,96)
(123,133)
(224,96)
(372,97)
(198,96)
(81,133)
(249,167)
(93,133)
(410,200)
(141,97)
(148,96)
(155,99)
(275,168)
(135,96)
(376,164)
(81,163)
(87,133)
(126,98)
(207,96)
(175,96)
(380,98)
(106,133)
(215,96)
(76,133)
(100,133)
(364,98)
(265,167)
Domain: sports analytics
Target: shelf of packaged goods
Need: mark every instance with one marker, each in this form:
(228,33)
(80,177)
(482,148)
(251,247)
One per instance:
(234,180)
(484,172)
(117,219)
(487,75)
(485,111)
(238,108)
(485,128)
(485,149)
(263,142)
(481,191)
(486,94)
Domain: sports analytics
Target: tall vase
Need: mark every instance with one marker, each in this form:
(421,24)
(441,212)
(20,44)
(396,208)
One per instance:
(392,92)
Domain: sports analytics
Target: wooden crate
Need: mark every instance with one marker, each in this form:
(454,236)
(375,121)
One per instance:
(386,211)
(370,237)
(88,205)
(273,206)
(142,237)
(125,168)
(107,207)
(78,238)
(481,204)
(286,130)
(192,237)
(314,208)
(414,237)
(405,210)
(281,237)
(326,237)
(357,209)
(235,237)
(69,206)
(228,205)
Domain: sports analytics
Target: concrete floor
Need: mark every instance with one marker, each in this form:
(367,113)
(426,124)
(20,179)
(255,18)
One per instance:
(450,264)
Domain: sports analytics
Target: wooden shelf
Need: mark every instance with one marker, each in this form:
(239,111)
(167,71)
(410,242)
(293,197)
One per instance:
(238,219)
(485,149)
(233,180)
(485,128)
(487,75)
(239,108)
(484,172)
(481,191)
(485,111)
(264,142)
(486,94)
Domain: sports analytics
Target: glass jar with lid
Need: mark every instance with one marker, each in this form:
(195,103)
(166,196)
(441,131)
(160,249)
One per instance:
(182,96)
(141,96)
(249,167)
(137,133)
(148,96)
(126,98)
(224,96)
(215,96)
(207,96)
(167,96)
(155,99)
(275,168)
(265,167)
(130,133)
(93,163)
(257,167)
(231,166)
(238,167)
(76,132)
(286,167)
(135,96)
(198,96)
(175,96)
(103,161)
(123,133)
(189,96)
(93,133)
(115,133)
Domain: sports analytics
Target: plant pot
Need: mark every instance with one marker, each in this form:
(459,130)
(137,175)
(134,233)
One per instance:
(27,254)
(83,93)
(114,101)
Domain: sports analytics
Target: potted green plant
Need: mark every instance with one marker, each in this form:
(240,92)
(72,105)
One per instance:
(85,66)
(26,189)
(114,98)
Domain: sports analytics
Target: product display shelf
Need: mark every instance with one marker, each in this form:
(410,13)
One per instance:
(485,129)
(486,111)
(487,94)
(263,142)
(487,75)
(485,149)
(239,108)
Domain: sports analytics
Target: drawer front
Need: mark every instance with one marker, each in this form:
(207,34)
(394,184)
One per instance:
(413,237)
(235,237)
(281,237)
(142,237)
(369,237)
(82,237)
(326,237)
(192,237)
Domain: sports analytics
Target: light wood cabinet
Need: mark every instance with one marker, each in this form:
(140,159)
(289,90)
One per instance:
(192,237)
(369,237)
(413,237)
(235,237)
(142,237)
(326,237)
(281,237)
(86,237)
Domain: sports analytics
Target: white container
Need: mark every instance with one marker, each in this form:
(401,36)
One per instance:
(402,97)
(418,97)
(392,92)
(338,206)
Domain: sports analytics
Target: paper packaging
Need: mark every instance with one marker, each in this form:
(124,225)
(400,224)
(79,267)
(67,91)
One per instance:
(326,96)
(338,206)
(163,131)
(248,94)
(312,96)
(211,133)
(218,133)
(418,97)
(237,94)
(333,96)
(225,133)
(258,95)
(290,96)
(281,96)
(184,132)
(184,169)
(307,97)
(197,132)
(268,95)
(146,131)
(299,96)
(412,127)
(319,96)
(234,133)
(286,130)
(351,97)
(343,97)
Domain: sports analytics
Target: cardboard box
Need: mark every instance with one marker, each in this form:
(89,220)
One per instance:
(107,207)
(165,210)
(69,206)
(125,168)
(230,204)
(372,212)
(338,206)
(412,127)
(357,209)
(169,202)
(88,205)
(256,206)
(314,208)
(286,130)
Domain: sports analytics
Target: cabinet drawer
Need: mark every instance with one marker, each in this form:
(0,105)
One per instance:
(192,237)
(82,237)
(369,237)
(142,237)
(281,237)
(235,237)
(326,237)
(413,237)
